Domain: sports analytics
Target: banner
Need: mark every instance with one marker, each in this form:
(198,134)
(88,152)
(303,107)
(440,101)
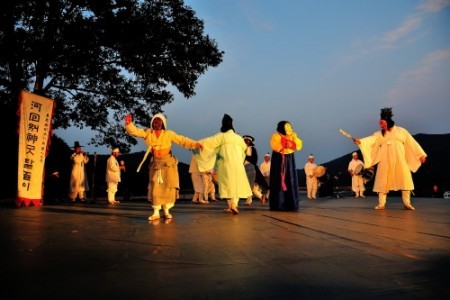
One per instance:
(35,125)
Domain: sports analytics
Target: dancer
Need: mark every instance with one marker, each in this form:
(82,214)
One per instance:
(397,154)
(283,172)
(225,152)
(164,182)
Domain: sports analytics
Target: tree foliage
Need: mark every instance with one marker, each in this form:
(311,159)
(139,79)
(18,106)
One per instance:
(100,59)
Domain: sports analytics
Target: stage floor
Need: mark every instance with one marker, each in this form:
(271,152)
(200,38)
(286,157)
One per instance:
(330,249)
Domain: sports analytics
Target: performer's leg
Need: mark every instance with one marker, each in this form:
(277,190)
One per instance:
(361,187)
(381,201)
(166,208)
(155,215)
(195,198)
(202,198)
(406,197)
(314,189)
(234,205)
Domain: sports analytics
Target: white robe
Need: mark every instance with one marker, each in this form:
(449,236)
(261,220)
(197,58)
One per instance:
(225,152)
(397,155)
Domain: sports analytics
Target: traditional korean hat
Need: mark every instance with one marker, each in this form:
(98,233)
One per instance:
(227,123)
(250,138)
(386,114)
(77,145)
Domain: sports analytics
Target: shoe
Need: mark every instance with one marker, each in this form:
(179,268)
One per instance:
(153,218)
(379,207)
(203,202)
(234,210)
(409,207)
(195,201)
(362,196)
(227,210)
(168,216)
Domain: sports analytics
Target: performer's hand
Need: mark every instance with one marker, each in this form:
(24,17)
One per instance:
(128,119)
(423,159)
(356,141)
(292,145)
(200,146)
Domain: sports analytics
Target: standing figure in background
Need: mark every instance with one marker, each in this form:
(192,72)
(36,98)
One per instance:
(254,175)
(78,178)
(357,179)
(197,181)
(311,180)
(164,182)
(112,176)
(225,152)
(397,154)
(283,171)
(264,167)
(209,186)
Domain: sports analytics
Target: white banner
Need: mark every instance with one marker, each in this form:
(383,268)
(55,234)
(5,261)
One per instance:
(35,126)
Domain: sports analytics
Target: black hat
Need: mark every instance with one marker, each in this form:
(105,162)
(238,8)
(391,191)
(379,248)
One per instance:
(227,123)
(250,138)
(77,145)
(386,114)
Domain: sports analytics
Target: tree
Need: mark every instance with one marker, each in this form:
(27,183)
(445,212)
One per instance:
(101,59)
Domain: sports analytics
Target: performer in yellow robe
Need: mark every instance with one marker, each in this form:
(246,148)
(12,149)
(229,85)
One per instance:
(164,182)
(397,154)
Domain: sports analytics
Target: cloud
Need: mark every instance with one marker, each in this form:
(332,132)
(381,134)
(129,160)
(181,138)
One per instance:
(423,81)
(433,6)
(393,36)
(254,17)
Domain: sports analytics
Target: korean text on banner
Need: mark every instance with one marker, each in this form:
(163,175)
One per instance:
(34,133)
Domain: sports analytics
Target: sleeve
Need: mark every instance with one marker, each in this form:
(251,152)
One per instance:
(134,131)
(275,142)
(206,159)
(183,141)
(413,151)
(369,151)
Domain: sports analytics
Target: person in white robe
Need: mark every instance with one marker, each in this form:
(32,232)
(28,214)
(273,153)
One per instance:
(357,180)
(311,180)
(112,176)
(225,152)
(396,154)
(78,177)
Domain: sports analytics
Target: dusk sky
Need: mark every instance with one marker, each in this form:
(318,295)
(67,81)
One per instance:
(321,65)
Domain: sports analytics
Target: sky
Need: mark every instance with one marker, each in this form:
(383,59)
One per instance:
(322,65)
